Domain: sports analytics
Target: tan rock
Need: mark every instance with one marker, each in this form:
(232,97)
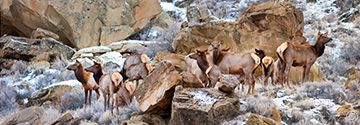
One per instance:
(61,120)
(74,21)
(228,83)
(40,33)
(210,106)
(93,50)
(352,81)
(176,59)
(190,80)
(255,119)
(111,34)
(150,119)
(343,111)
(155,93)
(127,46)
(31,115)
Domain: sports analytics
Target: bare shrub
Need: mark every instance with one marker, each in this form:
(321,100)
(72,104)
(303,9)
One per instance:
(73,100)
(351,52)
(259,105)
(323,89)
(8,100)
(49,115)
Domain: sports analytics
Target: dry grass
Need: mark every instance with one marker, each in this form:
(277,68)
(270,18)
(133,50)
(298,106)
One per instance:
(259,105)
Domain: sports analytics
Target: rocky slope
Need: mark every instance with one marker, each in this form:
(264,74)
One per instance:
(33,72)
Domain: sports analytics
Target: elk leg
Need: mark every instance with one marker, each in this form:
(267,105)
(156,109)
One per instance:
(266,80)
(137,83)
(108,100)
(252,81)
(112,103)
(104,95)
(90,92)
(286,74)
(307,72)
(97,94)
(304,71)
(86,94)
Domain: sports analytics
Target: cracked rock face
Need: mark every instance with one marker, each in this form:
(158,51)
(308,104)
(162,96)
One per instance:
(80,23)
(203,106)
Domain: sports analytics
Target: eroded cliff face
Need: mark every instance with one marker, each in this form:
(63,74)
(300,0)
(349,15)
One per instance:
(79,24)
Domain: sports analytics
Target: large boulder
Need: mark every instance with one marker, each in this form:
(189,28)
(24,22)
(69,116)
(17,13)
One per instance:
(176,59)
(201,106)
(30,115)
(264,25)
(26,49)
(190,80)
(155,93)
(79,23)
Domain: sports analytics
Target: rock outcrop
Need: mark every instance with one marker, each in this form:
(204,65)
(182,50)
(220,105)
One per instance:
(264,25)
(79,24)
(176,59)
(26,49)
(255,119)
(30,115)
(190,80)
(155,93)
(228,83)
(203,106)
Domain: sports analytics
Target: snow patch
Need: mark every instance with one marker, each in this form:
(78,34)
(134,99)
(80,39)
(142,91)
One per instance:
(203,98)
(65,83)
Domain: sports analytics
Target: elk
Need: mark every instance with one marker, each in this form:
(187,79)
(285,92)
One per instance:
(301,55)
(125,94)
(86,79)
(212,73)
(193,64)
(234,63)
(138,71)
(109,83)
(133,59)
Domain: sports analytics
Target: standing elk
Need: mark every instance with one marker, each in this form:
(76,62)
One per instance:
(125,94)
(212,73)
(269,68)
(233,63)
(109,83)
(86,79)
(133,59)
(300,55)
(138,71)
(198,68)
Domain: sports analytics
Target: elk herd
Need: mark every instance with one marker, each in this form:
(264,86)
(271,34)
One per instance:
(207,67)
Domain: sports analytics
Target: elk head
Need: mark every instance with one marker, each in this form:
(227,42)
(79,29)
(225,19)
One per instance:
(198,54)
(216,44)
(74,66)
(260,53)
(323,38)
(94,68)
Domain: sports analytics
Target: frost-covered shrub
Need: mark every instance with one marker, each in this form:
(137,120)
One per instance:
(74,99)
(324,89)
(351,52)
(8,99)
(259,105)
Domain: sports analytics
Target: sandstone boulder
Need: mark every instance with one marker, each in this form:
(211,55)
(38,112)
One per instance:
(155,93)
(176,59)
(150,119)
(91,50)
(190,80)
(264,25)
(228,83)
(353,81)
(40,33)
(26,49)
(31,115)
(74,21)
(62,119)
(128,46)
(203,106)
(255,119)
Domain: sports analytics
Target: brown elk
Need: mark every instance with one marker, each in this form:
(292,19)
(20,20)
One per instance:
(138,71)
(212,73)
(193,65)
(301,55)
(133,59)
(109,83)
(86,79)
(124,95)
(233,63)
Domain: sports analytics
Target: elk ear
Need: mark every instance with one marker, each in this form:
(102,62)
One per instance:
(256,50)
(208,42)
(77,61)
(222,42)
(319,34)
(205,50)
(227,49)
(197,51)
(326,33)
